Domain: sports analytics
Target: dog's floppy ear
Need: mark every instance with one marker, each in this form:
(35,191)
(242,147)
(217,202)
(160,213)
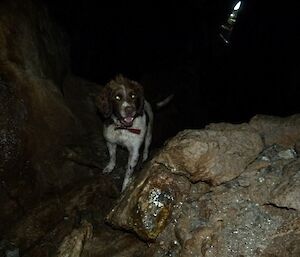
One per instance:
(103,102)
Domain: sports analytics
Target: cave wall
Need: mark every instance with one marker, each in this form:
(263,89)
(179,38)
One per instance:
(35,122)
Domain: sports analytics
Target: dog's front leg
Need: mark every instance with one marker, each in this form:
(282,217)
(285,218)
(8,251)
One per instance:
(148,136)
(147,144)
(112,157)
(132,161)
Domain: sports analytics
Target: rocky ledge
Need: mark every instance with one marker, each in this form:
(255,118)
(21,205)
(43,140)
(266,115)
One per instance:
(226,190)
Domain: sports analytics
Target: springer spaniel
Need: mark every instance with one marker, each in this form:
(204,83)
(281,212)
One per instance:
(128,121)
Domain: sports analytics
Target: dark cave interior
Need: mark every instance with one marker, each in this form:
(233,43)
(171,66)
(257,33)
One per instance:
(176,48)
(221,65)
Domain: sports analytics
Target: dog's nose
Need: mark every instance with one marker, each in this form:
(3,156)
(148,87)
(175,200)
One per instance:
(129,110)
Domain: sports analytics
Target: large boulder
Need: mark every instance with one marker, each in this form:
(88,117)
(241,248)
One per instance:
(148,206)
(211,155)
(33,116)
(254,212)
(36,124)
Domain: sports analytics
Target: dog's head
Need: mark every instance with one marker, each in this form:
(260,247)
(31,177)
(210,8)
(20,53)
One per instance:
(122,98)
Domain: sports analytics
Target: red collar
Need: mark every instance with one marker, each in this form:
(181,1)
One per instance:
(132,130)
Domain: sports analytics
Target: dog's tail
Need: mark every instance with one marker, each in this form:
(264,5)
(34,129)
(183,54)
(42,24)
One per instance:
(164,102)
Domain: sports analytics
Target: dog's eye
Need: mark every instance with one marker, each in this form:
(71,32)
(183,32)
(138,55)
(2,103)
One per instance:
(118,98)
(132,96)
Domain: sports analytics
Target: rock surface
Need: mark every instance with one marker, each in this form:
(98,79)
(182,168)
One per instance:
(211,155)
(47,146)
(43,144)
(250,213)
(284,131)
(147,207)
(73,244)
(34,118)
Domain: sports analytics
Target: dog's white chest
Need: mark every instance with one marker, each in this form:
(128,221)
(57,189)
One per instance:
(125,137)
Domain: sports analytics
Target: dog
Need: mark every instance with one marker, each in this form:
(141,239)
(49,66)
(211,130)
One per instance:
(128,121)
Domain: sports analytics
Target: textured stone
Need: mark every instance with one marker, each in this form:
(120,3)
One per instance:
(213,156)
(286,242)
(249,215)
(34,119)
(111,242)
(37,122)
(287,193)
(36,224)
(73,244)
(283,131)
(147,206)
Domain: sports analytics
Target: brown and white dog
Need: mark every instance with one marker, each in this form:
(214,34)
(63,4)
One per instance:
(128,121)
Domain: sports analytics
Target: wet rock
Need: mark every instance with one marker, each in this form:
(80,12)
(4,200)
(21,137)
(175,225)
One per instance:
(213,156)
(147,206)
(283,131)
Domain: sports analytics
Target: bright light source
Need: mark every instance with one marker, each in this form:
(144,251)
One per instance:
(237,6)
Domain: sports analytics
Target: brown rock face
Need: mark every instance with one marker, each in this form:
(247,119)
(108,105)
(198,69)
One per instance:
(287,192)
(36,124)
(147,207)
(253,212)
(274,130)
(34,120)
(213,156)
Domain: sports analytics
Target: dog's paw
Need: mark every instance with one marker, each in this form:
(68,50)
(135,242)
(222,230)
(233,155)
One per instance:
(126,182)
(108,169)
(145,156)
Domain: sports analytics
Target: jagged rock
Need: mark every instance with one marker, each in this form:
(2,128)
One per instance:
(287,193)
(210,155)
(213,156)
(147,206)
(239,218)
(283,131)
(246,215)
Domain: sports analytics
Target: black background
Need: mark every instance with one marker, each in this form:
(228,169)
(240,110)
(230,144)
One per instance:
(175,48)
